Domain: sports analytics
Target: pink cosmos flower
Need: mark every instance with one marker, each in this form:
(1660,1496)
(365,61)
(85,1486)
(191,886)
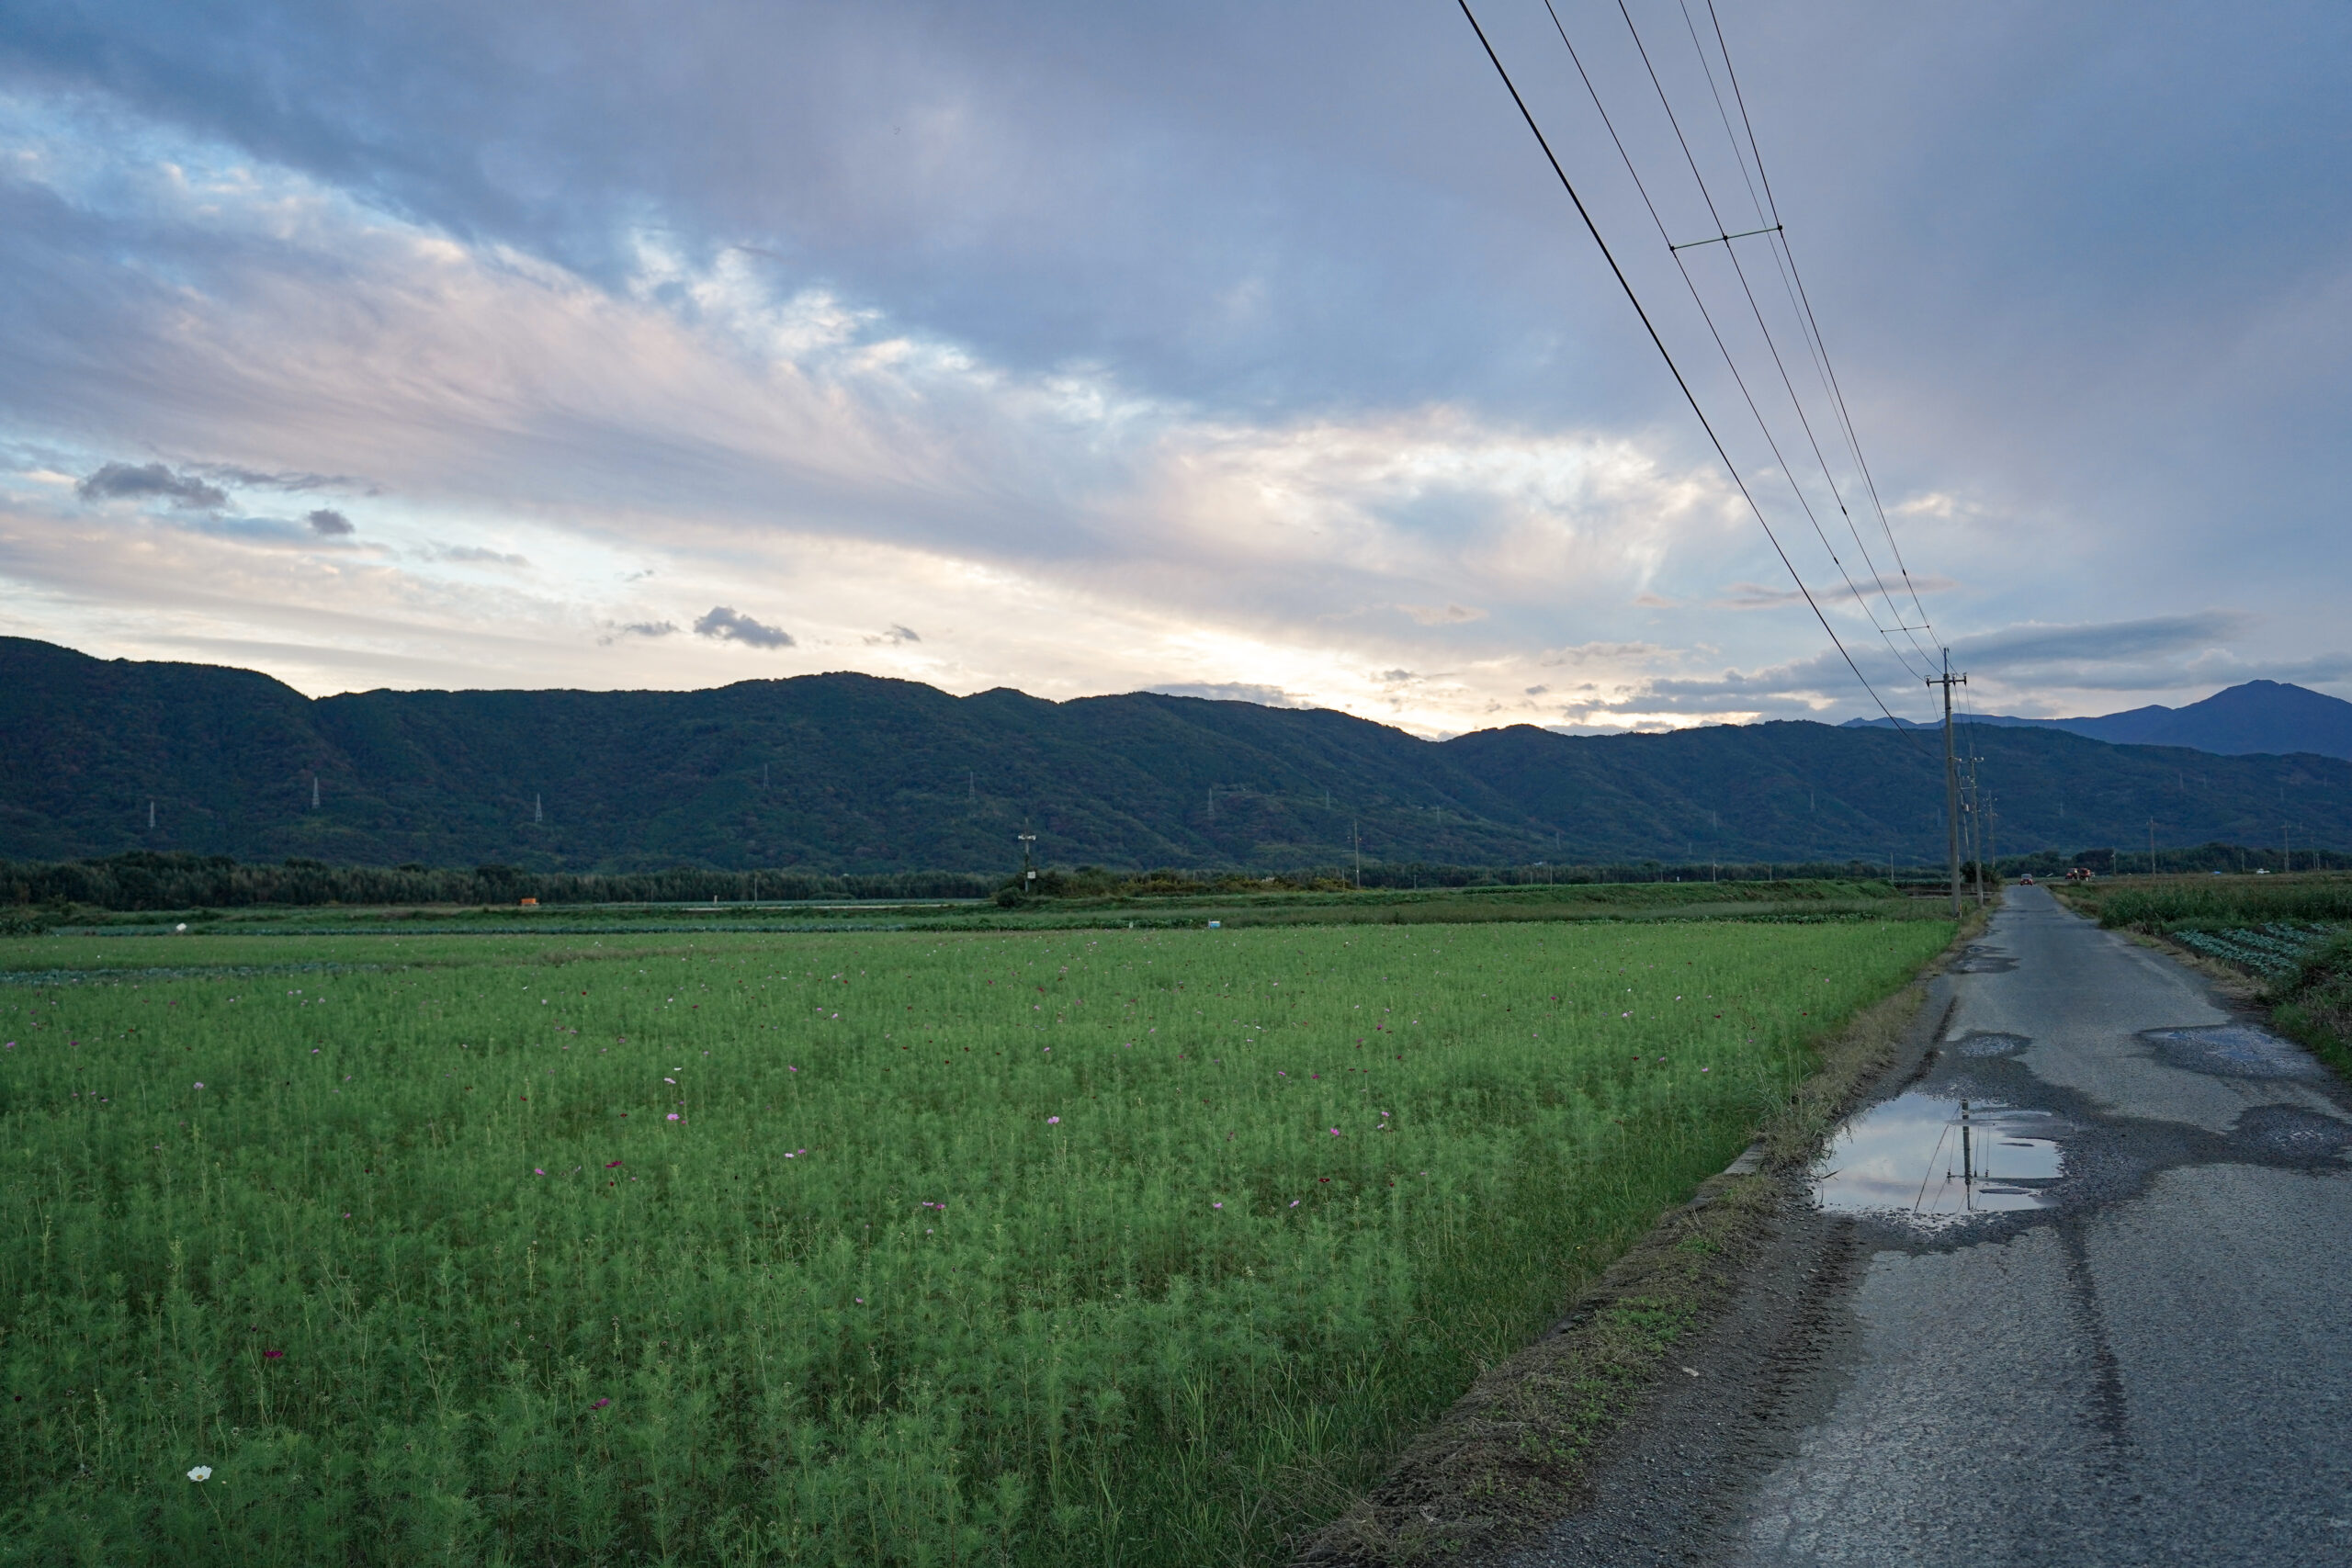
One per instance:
(200,1086)
(273,1355)
(600,1404)
(1217,1205)
(673,1116)
(1053,1120)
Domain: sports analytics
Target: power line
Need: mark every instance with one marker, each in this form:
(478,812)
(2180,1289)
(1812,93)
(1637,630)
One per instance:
(1688,396)
(1767,216)
(1853,440)
(1755,309)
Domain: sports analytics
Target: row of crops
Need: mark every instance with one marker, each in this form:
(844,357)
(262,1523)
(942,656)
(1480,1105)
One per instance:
(1141,1247)
(2269,950)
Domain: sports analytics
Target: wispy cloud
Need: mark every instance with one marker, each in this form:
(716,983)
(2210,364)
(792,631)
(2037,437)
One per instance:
(1443,615)
(328,522)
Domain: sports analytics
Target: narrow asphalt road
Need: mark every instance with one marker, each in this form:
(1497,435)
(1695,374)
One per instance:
(2147,1359)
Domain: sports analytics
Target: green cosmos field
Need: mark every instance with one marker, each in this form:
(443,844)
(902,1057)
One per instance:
(1043,1248)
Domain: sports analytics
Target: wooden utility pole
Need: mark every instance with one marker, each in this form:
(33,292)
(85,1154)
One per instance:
(1976,829)
(1992,845)
(2152,846)
(1951,782)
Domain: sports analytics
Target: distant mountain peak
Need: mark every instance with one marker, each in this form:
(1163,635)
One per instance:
(2255,717)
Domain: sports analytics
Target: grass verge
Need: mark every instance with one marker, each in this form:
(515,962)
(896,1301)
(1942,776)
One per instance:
(1519,1450)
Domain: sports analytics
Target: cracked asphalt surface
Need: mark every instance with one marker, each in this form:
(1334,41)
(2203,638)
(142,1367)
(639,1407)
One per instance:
(2155,1368)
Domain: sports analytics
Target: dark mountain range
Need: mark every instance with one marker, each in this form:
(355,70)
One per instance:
(851,773)
(2258,716)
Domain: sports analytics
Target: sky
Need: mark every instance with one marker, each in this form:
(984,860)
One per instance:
(1232,350)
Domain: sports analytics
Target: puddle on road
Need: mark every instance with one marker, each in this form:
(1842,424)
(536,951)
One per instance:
(1917,1156)
(2233,1051)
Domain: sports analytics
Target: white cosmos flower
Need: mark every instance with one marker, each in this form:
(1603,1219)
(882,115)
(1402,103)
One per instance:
(201,1473)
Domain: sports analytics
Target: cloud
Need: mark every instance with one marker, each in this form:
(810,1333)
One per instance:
(1833,593)
(121,480)
(638,629)
(2033,645)
(728,625)
(1755,596)
(327,521)
(477,555)
(1235,691)
(1443,615)
(257,478)
(1096,353)
(895,635)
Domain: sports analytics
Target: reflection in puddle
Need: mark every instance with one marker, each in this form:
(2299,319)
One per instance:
(1920,1155)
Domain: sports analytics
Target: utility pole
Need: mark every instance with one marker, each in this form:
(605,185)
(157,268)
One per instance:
(1992,845)
(2152,846)
(538,808)
(1028,872)
(1951,781)
(151,816)
(1976,825)
(1356,838)
(314,789)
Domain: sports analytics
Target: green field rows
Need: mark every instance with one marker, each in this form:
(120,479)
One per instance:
(1096,1246)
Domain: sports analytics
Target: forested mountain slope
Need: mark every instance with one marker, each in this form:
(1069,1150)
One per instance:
(853,774)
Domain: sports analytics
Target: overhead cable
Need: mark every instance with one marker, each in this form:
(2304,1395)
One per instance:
(1659,344)
(1755,309)
(1830,370)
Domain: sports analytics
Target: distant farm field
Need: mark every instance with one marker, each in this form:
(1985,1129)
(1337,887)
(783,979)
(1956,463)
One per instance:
(1100,1247)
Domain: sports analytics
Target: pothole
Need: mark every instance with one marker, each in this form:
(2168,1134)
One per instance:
(1928,1158)
(1985,961)
(2294,1135)
(1983,1043)
(2233,1050)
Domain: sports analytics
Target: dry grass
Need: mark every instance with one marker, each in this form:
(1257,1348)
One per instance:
(1519,1450)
